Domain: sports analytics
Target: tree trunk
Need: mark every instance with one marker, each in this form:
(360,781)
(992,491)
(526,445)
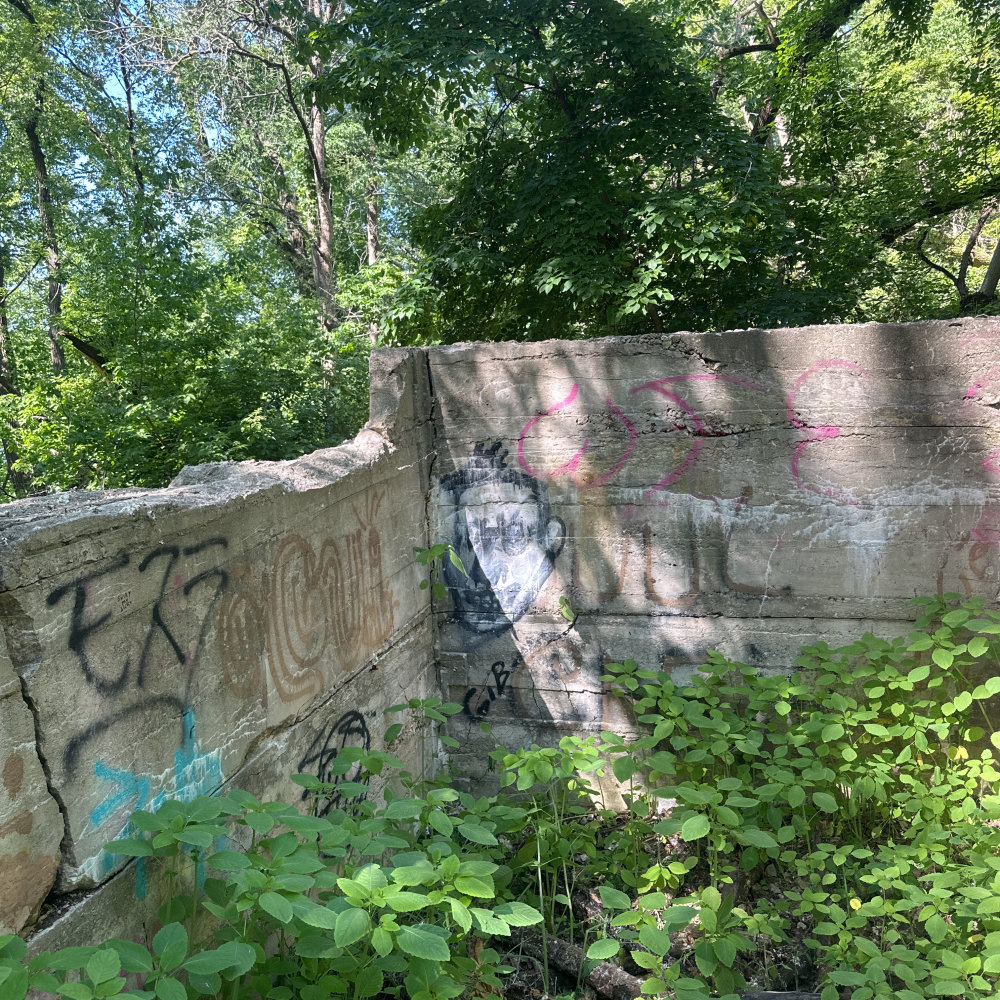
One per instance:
(14,483)
(8,375)
(52,256)
(371,240)
(371,217)
(988,289)
(323,255)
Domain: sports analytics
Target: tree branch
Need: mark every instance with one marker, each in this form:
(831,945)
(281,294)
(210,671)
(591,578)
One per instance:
(24,9)
(970,246)
(742,50)
(931,208)
(937,267)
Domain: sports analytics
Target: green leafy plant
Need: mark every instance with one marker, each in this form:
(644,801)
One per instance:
(431,558)
(856,801)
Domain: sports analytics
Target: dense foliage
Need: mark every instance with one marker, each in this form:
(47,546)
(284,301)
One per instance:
(850,810)
(211,210)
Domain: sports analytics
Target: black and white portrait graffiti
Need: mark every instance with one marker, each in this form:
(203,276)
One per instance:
(505,535)
(350,730)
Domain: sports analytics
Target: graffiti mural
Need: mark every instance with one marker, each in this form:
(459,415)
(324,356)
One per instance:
(506,537)
(477,702)
(195,772)
(618,451)
(316,600)
(151,682)
(183,646)
(136,630)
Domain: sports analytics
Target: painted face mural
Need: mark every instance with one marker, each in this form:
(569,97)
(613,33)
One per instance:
(505,536)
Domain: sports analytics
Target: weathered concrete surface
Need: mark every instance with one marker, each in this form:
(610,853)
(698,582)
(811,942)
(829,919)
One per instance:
(125,905)
(163,637)
(30,825)
(751,492)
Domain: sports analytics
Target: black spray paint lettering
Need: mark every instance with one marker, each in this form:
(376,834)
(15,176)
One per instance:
(350,729)
(216,573)
(82,628)
(479,708)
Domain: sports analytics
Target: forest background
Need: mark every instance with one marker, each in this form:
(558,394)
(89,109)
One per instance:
(212,210)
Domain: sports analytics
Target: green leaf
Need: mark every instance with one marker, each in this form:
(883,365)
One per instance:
(352,925)
(103,965)
(604,949)
(825,801)
(168,988)
(171,944)
(369,982)
(949,988)
(978,645)
(130,847)
(404,809)
(259,822)
(613,898)
(944,658)
(725,951)
(315,915)
(937,929)
(275,904)
(472,886)
(440,822)
(78,991)
(142,820)
(381,942)
(196,837)
(242,957)
(704,957)
(133,957)
(477,834)
(656,940)
(653,986)
(518,914)
(422,941)
(624,767)
(460,913)
(695,827)
(488,922)
(228,861)
(75,957)
(407,902)
(759,838)
(847,977)
(371,877)
(677,917)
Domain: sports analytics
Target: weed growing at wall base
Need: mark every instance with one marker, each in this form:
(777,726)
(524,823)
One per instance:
(838,829)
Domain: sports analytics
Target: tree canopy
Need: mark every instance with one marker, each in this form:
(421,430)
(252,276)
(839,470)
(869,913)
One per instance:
(211,210)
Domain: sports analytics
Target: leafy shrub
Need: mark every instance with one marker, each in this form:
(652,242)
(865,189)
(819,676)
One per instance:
(865,778)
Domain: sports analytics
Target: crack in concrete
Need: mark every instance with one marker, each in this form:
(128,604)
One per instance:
(66,853)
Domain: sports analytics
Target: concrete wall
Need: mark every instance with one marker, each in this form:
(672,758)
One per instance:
(748,492)
(235,628)
(751,492)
